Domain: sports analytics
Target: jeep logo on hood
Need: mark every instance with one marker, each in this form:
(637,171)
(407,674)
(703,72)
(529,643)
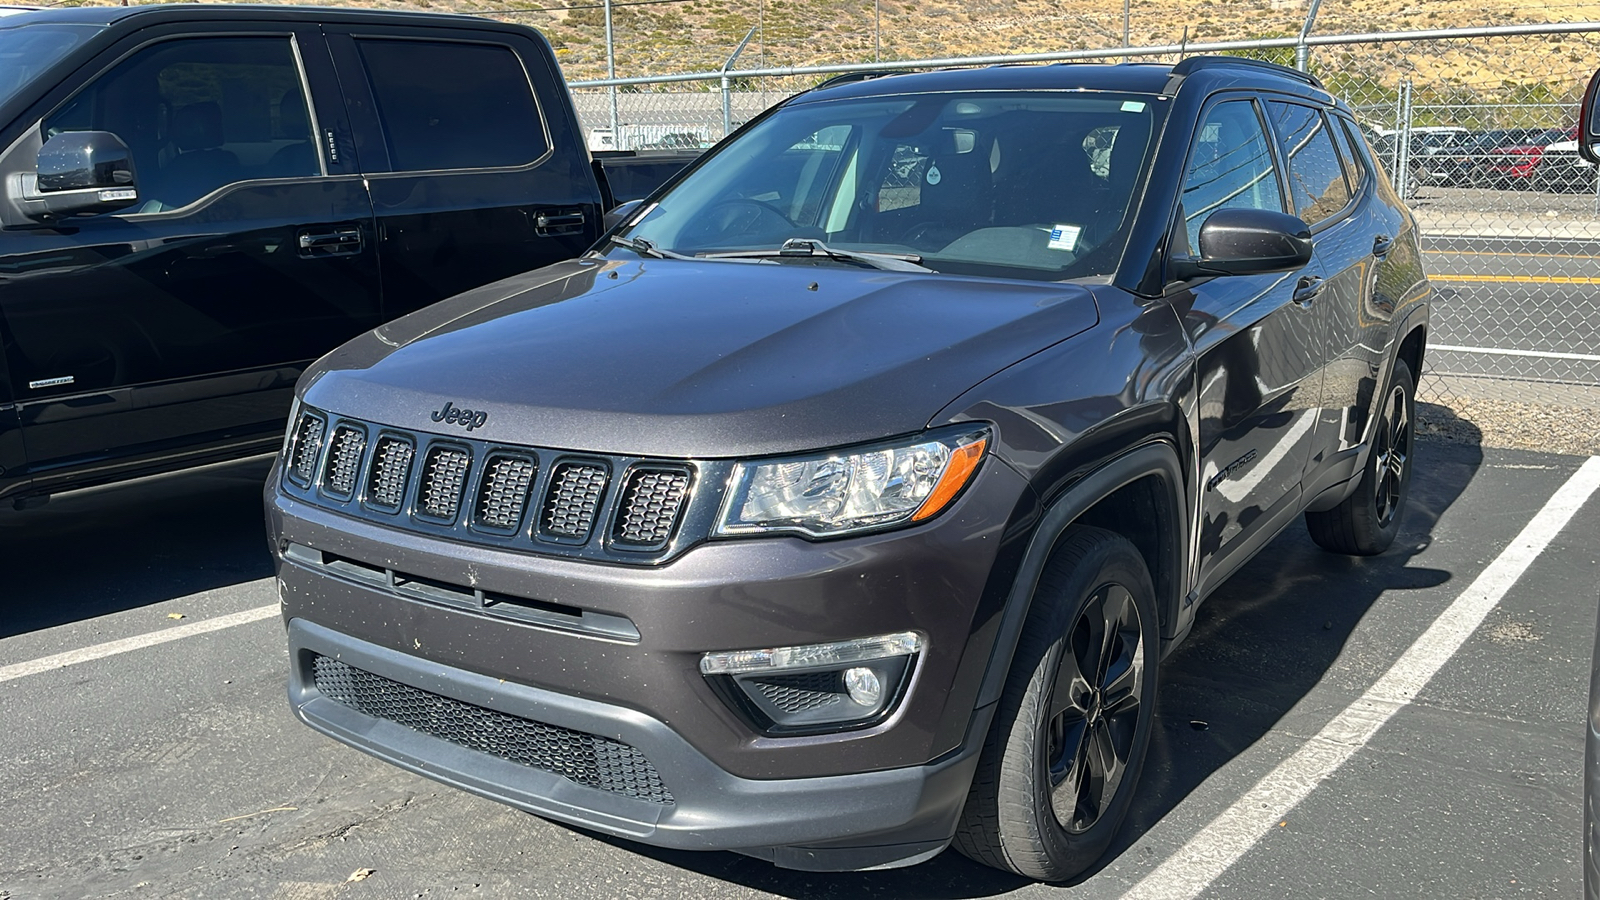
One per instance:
(451,415)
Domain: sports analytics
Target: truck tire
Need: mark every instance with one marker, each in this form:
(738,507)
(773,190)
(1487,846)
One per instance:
(1366,522)
(1061,762)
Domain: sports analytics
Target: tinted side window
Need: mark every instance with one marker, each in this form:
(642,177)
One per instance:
(1230,167)
(1316,177)
(453,105)
(1355,165)
(200,113)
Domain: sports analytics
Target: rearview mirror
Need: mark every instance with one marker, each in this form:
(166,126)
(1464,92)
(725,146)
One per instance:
(82,173)
(1589,123)
(1248,242)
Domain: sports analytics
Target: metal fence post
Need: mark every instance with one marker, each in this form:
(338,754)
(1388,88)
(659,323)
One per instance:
(1402,151)
(611,72)
(1302,50)
(727,85)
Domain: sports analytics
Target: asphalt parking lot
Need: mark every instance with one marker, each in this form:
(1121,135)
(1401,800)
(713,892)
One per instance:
(174,769)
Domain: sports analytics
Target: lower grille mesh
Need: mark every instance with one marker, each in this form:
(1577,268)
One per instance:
(587,759)
(802,692)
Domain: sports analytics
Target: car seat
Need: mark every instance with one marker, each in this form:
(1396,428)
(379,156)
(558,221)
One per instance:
(299,158)
(201,165)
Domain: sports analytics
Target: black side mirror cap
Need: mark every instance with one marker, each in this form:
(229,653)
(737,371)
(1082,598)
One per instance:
(619,214)
(1248,242)
(82,173)
(1589,122)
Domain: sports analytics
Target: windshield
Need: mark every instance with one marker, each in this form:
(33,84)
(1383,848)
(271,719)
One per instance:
(1015,184)
(27,50)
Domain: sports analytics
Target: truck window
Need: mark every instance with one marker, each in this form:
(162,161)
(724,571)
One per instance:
(453,105)
(1230,167)
(200,113)
(27,51)
(1316,177)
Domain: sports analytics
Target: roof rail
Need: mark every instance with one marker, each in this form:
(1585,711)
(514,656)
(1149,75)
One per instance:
(852,77)
(1195,63)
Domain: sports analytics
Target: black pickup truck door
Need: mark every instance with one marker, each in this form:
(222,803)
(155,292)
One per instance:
(472,152)
(178,326)
(1258,351)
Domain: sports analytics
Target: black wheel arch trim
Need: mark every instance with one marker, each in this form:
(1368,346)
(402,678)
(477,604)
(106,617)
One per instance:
(1158,457)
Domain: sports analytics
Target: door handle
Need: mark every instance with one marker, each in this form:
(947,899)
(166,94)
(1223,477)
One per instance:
(341,240)
(1307,290)
(553,222)
(1381,245)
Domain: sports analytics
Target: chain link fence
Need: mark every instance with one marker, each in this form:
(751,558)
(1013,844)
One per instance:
(1477,129)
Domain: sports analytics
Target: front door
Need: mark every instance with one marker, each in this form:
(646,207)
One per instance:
(180,324)
(1258,351)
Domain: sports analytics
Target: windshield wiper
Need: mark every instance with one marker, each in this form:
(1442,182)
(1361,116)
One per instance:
(645,248)
(809,248)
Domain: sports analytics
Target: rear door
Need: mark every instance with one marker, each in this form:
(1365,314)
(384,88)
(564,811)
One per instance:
(472,155)
(179,326)
(1258,347)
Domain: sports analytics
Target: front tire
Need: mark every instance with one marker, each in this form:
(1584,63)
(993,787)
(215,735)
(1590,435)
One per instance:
(1366,522)
(1062,760)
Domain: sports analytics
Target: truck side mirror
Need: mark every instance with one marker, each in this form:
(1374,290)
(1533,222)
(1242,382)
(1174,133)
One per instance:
(620,214)
(1589,122)
(81,173)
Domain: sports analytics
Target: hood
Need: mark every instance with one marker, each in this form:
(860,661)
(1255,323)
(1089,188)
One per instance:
(700,359)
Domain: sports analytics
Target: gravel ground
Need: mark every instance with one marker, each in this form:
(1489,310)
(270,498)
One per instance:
(1495,422)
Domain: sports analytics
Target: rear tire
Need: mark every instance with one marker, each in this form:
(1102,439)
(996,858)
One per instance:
(1063,757)
(1366,522)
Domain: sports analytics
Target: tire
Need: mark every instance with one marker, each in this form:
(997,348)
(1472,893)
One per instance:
(1366,522)
(1034,761)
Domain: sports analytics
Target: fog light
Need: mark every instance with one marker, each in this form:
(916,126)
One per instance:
(863,685)
(816,687)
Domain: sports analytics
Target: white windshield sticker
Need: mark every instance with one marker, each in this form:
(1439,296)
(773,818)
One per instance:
(933,175)
(1064,237)
(1132,106)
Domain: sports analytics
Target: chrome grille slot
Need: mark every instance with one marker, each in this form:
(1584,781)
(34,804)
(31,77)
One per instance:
(444,476)
(574,501)
(391,472)
(307,447)
(344,461)
(503,496)
(650,506)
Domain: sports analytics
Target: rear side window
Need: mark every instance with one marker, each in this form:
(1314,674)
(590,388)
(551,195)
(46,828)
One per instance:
(453,105)
(1230,167)
(1355,167)
(1316,177)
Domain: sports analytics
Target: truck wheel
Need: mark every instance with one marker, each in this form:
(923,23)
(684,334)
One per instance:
(1061,761)
(1367,521)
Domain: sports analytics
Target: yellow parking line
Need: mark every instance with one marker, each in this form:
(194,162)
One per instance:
(1517,279)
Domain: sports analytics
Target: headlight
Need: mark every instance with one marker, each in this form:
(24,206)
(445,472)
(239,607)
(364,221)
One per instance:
(846,491)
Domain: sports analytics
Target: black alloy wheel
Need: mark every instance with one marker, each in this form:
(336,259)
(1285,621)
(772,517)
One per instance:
(1063,756)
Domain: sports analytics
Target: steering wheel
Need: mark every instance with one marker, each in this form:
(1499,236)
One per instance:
(740,216)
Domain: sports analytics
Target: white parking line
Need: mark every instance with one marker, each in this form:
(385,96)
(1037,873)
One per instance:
(137,642)
(1232,833)
(1503,351)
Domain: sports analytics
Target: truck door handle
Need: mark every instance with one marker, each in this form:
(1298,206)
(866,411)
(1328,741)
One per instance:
(553,223)
(326,243)
(1307,290)
(1381,245)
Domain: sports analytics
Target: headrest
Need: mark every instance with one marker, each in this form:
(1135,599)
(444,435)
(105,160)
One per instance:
(197,126)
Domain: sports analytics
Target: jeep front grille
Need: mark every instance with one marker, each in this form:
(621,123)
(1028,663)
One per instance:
(574,500)
(444,474)
(587,759)
(344,461)
(391,471)
(532,499)
(650,506)
(504,495)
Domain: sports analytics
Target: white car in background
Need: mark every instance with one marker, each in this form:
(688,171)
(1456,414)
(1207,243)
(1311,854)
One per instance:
(1562,170)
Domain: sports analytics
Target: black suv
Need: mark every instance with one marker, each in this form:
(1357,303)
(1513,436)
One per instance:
(842,502)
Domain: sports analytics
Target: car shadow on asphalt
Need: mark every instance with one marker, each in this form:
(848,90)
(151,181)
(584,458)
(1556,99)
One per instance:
(1259,645)
(96,552)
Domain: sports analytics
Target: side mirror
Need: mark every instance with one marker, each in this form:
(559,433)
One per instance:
(82,173)
(1248,242)
(619,214)
(1589,122)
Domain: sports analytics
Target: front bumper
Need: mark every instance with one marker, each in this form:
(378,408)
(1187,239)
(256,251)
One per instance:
(886,794)
(856,821)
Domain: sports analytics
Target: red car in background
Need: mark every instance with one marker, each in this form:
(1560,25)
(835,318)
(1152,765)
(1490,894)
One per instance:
(1513,166)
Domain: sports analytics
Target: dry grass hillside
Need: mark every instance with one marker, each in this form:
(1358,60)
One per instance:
(667,36)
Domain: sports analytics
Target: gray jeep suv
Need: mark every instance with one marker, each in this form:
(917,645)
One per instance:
(840,504)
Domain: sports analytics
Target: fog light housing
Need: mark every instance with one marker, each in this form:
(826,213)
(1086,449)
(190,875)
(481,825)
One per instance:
(816,687)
